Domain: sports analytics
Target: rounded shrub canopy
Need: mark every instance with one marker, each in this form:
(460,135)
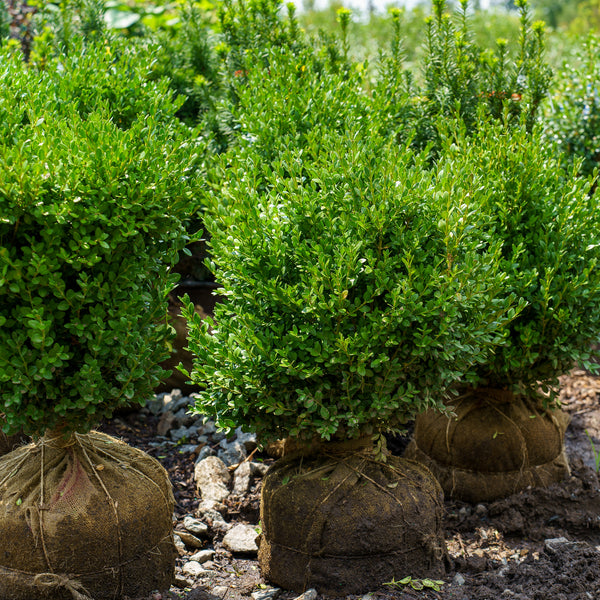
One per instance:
(548,224)
(92,203)
(355,292)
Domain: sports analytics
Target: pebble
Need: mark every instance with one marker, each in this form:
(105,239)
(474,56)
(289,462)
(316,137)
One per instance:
(458,579)
(219,591)
(181,433)
(179,544)
(187,448)
(205,452)
(269,593)
(552,545)
(481,510)
(195,526)
(190,540)
(182,582)
(193,568)
(212,478)
(232,453)
(203,556)
(248,439)
(241,479)
(311,594)
(241,539)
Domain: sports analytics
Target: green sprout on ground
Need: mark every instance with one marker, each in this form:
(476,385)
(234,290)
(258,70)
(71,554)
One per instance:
(595,451)
(417,584)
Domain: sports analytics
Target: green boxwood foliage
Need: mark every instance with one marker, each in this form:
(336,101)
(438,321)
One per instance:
(356,290)
(572,119)
(549,227)
(93,201)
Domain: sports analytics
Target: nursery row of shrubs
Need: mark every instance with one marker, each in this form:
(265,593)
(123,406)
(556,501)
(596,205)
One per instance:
(388,241)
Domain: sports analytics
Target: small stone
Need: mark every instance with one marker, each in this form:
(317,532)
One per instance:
(458,579)
(165,423)
(195,526)
(464,512)
(193,568)
(187,448)
(241,539)
(212,479)
(312,595)
(203,556)
(259,468)
(232,453)
(219,591)
(207,428)
(208,510)
(181,433)
(269,593)
(552,545)
(190,540)
(184,418)
(241,479)
(205,452)
(179,544)
(182,582)
(248,439)
(481,510)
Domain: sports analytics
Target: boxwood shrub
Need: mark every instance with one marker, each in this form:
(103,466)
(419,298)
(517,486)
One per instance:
(94,196)
(356,288)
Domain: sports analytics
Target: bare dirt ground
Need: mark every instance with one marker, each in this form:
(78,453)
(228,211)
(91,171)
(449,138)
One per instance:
(510,548)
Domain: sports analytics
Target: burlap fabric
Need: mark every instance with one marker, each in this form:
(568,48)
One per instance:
(497,444)
(87,517)
(346,523)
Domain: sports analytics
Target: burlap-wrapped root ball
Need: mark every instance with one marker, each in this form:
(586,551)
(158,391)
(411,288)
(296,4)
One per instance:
(346,524)
(84,517)
(497,445)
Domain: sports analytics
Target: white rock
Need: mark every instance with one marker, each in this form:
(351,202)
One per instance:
(458,579)
(259,468)
(232,453)
(311,595)
(269,593)
(195,526)
(212,479)
(241,479)
(203,556)
(193,568)
(179,544)
(552,545)
(190,540)
(248,439)
(241,539)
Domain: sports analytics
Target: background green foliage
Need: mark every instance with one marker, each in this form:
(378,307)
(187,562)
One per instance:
(94,194)
(573,116)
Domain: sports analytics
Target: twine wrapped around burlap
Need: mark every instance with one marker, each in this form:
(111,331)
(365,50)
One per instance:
(497,445)
(344,523)
(84,518)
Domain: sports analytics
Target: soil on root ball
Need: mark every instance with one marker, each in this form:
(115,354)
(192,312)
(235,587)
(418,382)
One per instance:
(538,544)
